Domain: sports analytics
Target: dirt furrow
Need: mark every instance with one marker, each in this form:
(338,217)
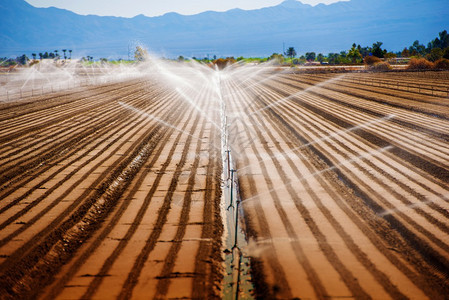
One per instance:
(375,108)
(84,207)
(330,134)
(41,106)
(285,114)
(75,267)
(257,223)
(26,145)
(169,264)
(48,192)
(132,278)
(371,86)
(104,127)
(431,255)
(331,255)
(61,145)
(41,121)
(416,160)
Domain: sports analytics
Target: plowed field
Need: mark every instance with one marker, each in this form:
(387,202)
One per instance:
(101,200)
(115,190)
(345,184)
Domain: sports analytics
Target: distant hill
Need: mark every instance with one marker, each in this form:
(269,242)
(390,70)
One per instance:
(322,28)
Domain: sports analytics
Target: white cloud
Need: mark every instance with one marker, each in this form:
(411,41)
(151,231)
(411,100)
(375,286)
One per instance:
(131,8)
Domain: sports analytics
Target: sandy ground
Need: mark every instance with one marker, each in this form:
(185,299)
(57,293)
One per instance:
(101,201)
(344,183)
(113,190)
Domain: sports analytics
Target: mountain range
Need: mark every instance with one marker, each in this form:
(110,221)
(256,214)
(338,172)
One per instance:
(261,32)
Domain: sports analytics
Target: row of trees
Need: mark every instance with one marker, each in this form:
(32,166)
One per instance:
(435,50)
(24,59)
(53,55)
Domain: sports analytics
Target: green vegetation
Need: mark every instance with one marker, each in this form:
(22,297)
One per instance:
(434,55)
(291,52)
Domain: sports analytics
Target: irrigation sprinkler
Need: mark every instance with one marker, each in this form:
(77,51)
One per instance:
(232,186)
(229,162)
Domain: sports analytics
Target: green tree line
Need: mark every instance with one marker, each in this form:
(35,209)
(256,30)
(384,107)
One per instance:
(436,49)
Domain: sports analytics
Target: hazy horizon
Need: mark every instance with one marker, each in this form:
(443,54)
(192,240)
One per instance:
(158,8)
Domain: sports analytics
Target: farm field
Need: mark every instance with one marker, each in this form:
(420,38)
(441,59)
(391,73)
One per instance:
(115,190)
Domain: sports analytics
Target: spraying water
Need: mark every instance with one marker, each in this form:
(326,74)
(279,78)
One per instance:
(325,138)
(444,198)
(191,81)
(303,178)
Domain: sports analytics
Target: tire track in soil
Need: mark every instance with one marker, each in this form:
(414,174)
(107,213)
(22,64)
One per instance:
(430,255)
(350,243)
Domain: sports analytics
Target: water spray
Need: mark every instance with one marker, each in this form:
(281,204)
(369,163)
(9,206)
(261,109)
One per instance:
(303,178)
(232,191)
(325,138)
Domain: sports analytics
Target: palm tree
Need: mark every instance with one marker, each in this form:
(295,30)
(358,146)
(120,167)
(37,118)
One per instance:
(291,52)
(33,55)
(65,56)
(41,56)
(56,54)
(354,54)
(70,52)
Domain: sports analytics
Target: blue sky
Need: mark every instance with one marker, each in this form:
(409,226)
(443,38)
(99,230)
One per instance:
(131,8)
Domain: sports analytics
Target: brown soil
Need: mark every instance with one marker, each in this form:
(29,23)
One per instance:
(99,201)
(344,180)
